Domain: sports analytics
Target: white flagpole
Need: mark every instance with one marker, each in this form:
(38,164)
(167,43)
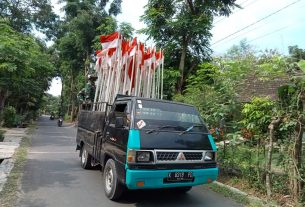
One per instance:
(119,69)
(153,84)
(125,75)
(162,75)
(148,79)
(98,83)
(102,87)
(137,72)
(132,72)
(113,94)
(140,82)
(159,74)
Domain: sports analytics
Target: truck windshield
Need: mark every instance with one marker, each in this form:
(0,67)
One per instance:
(155,115)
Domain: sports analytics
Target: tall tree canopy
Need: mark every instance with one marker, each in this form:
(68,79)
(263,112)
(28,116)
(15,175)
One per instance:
(25,69)
(183,27)
(84,22)
(23,15)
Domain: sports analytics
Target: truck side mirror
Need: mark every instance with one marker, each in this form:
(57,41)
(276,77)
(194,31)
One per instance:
(119,122)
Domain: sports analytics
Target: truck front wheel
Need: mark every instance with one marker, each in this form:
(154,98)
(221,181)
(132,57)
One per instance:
(85,158)
(113,189)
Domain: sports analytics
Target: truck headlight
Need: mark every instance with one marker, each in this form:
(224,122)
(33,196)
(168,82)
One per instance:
(209,156)
(143,156)
(138,156)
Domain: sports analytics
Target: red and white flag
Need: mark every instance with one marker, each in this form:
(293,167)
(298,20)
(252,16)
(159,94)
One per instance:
(110,41)
(132,48)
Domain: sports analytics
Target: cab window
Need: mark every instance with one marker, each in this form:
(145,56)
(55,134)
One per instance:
(120,110)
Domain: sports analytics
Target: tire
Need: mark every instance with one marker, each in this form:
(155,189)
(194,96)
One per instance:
(113,188)
(182,190)
(85,158)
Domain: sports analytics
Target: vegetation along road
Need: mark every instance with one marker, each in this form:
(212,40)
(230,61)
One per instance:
(53,177)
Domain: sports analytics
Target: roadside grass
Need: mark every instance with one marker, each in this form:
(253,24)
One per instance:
(245,200)
(9,193)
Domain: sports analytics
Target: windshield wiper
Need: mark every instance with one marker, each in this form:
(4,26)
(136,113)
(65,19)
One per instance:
(190,128)
(162,127)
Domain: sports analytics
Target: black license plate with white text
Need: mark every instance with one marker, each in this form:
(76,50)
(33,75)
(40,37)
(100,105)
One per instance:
(180,177)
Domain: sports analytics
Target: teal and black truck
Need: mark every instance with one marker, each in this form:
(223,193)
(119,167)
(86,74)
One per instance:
(143,143)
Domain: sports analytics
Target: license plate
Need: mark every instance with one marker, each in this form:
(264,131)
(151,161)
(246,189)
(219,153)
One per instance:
(180,176)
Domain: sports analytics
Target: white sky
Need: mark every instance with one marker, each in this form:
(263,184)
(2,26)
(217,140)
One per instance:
(276,32)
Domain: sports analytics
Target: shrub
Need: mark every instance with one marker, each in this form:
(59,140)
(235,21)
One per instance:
(9,116)
(67,117)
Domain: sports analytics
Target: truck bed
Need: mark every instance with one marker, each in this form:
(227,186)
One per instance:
(89,122)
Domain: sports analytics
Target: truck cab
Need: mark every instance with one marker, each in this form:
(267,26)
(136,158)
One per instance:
(144,143)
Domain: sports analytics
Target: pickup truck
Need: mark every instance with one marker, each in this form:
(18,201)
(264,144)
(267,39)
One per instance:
(143,143)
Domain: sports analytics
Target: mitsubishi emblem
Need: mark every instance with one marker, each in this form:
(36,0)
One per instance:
(181,156)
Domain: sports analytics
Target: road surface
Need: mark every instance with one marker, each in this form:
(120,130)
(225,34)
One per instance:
(53,178)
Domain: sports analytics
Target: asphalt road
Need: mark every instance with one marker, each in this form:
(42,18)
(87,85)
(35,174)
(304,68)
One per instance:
(53,178)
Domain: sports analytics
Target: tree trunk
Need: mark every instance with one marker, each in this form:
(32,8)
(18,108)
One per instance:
(87,66)
(3,96)
(274,123)
(71,98)
(182,65)
(297,160)
(62,97)
(258,160)
(297,153)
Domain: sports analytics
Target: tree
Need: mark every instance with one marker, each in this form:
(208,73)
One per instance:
(25,15)
(296,54)
(126,30)
(51,104)
(184,27)
(25,70)
(76,44)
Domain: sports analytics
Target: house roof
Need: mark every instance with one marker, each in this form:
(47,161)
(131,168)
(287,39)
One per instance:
(258,86)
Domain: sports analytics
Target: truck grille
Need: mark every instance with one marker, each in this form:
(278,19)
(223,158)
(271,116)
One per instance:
(193,155)
(178,156)
(167,156)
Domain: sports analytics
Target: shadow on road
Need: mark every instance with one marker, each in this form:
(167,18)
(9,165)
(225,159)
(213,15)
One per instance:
(168,198)
(48,173)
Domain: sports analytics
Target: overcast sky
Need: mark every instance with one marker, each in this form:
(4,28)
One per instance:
(278,31)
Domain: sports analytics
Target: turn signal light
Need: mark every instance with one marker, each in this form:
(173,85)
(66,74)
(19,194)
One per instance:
(140,184)
(131,156)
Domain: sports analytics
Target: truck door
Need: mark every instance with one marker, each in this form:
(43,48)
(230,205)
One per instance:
(117,131)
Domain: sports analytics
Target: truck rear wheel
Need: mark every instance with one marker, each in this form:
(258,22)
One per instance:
(113,188)
(85,158)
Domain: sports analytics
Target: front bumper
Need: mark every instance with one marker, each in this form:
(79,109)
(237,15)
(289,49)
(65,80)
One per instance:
(154,179)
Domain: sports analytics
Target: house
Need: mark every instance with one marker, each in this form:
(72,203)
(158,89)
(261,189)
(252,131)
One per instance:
(259,86)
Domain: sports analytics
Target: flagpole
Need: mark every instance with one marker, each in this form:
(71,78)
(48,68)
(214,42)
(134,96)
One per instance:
(118,66)
(132,71)
(137,72)
(162,75)
(98,83)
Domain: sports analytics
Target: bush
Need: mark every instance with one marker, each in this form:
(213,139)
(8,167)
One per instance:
(9,116)
(67,117)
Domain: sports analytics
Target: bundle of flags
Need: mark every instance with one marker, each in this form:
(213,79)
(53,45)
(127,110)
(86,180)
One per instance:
(128,68)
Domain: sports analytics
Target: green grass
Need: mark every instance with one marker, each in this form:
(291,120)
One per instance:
(8,195)
(239,198)
(229,194)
